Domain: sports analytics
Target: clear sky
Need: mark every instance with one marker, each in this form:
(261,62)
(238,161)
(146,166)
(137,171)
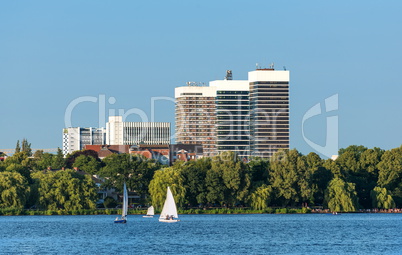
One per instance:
(52,52)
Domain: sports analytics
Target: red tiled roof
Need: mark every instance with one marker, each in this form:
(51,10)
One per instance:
(112,148)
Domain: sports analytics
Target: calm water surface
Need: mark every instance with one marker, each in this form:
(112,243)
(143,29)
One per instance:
(204,234)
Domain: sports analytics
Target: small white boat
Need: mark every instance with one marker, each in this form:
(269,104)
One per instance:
(150,212)
(169,211)
(123,218)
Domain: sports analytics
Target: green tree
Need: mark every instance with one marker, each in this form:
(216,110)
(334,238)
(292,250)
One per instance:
(38,154)
(341,196)
(290,178)
(88,164)
(261,197)
(284,178)
(43,160)
(194,173)
(235,176)
(259,168)
(17,147)
(70,158)
(382,199)
(320,177)
(110,202)
(369,161)
(163,178)
(58,160)
(65,189)
(26,147)
(390,173)
(334,168)
(17,158)
(13,190)
(18,168)
(215,186)
(357,150)
(390,169)
(136,170)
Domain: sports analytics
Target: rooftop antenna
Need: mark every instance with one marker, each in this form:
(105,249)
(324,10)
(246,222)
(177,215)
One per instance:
(271,66)
(284,68)
(228,76)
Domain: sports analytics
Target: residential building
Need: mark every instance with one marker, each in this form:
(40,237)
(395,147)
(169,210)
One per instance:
(133,133)
(196,116)
(106,150)
(185,152)
(75,138)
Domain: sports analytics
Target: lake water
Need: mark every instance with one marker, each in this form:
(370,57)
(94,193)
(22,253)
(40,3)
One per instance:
(204,234)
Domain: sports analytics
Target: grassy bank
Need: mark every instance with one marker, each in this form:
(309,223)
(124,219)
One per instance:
(16,211)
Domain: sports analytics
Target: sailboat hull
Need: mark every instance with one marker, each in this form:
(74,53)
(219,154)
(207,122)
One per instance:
(120,221)
(148,216)
(168,221)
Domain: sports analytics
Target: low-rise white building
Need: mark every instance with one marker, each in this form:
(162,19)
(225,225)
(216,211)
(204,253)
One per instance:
(133,133)
(75,138)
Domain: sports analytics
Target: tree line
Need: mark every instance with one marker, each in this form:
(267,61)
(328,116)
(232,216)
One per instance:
(360,178)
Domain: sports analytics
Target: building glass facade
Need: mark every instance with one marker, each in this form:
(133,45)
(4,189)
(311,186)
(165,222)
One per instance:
(269,116)
(232,122)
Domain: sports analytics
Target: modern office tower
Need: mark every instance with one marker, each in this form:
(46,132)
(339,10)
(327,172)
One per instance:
(269,115)
(232,115)
(75,138)
(134,133)
(195,116)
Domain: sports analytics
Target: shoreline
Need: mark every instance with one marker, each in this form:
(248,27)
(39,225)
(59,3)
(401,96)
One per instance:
(210,211)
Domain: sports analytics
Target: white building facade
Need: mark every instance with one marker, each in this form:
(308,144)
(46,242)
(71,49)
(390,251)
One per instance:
(75,138)
(119,132)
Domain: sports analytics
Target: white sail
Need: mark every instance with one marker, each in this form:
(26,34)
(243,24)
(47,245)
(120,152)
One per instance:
(125,202)
(150,211)
(169,208)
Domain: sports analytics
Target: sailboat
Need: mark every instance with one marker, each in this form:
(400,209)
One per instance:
(169,211)
(123,218)
(150,212)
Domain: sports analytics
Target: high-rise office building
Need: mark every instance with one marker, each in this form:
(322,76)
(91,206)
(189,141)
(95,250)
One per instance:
(250,117)
(75,138)
(196,117)
(269,115)
(134,133)
(232,115)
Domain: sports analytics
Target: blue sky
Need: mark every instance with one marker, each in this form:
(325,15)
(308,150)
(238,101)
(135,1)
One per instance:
(52,52)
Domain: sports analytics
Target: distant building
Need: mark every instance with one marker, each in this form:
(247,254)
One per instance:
(3,156)
(158,152)
(106,150)
(185,152)
(232,116)
(75,138)
(269,111)
(163,153)
(249,117)
(196,116)
(132,133)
